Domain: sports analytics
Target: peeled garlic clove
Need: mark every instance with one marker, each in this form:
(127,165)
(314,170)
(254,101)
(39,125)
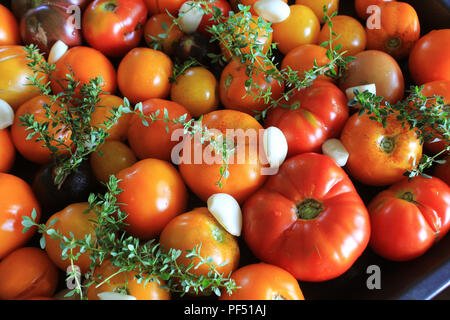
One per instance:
(274,11)
(368,87)
(6,114)
(227,212)
(114,296)
(335,150)
(275,146)
(57,51)
(191,16)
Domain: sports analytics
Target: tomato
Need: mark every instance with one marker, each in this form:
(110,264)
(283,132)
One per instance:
(141,137)
(351,35)
(144,74)
(201,170)
(26,273)
(9,27)
(31,149)
(199,227)
(85,63)
(442,170)
(103,111)
(197,90)
(126,283)
(154,193)
(71,220)
(409,217)
(301,27)
(303,57)
(378,67)
(114,27)
(399,30)
(162,24)
(235,93)
(115,156)
(159,6)
(361,7)
(317,7)
(390,151)
(7,151)
(16,201)
(14,84)
(307,219)
(235,3)
(262,281)
(428,60)
(207,20)
(321,114)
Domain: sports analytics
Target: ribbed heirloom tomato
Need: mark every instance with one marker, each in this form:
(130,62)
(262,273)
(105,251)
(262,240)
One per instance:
(307,219)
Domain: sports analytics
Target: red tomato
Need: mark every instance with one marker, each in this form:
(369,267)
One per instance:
(9,27)
(362,5)
(262,281)
(409,217)
(7,151)
(321,115)
(207,21)
(114,27)
(16,201)
(308,219)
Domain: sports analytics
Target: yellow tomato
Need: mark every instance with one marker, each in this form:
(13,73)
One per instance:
(317,6)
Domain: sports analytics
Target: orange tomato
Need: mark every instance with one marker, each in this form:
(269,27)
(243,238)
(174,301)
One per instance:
(142,138)
(125,282)
(16,201)
(144,74)
(154,193)
(159,6)
(362,5)
(7,151)
(302,27)
(262,281)
(27,273)
(9,27)
(390,151)
(30,149)
(158,24)
(399,31)
(14,83)
(245,164)
(351,34)
(234,91)
(85,63)
(196,227)
(71,219)
(317,7)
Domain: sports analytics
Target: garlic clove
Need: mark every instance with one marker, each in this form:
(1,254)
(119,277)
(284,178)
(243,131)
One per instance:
(227,212)
(274,11)
(335,150)
(191,16)
(114,296)
(367,87)
(6,114)
(57,51)
(275,146)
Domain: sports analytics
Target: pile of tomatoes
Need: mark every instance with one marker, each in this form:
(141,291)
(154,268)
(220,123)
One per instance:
(307,222)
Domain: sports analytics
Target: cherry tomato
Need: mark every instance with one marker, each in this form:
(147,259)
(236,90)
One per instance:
(154,193)
(125,282)
(115,156)
(72,219)
(27,273)
(7,151)
(9,27)
(361,7)
(399,30)
(442,170)
(317,7)
(160,6)
(235,93)
(85,63)
(428,60)
(301,27)
(307,219)
(378,67)
(197,90)
(262,281)
(207,20)
(114,27)
(390,151)
(162,24)
(144,74)
(409,217)
(141,136)
(15,87)
(16,201)
(33,150)
(321,114)
(199,226)
(351,35)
